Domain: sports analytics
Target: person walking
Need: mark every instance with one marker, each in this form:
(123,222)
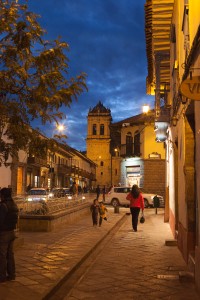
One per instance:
(98,191)
(136,203)
(8,221)
(102,213)
(94,208)
(104,193)
(74,189)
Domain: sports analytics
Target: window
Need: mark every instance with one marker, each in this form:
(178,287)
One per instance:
(102,129)
(129,144)
(122,190)
(102,173)
(137,143)
(94,129)
(101,164)
(36,181)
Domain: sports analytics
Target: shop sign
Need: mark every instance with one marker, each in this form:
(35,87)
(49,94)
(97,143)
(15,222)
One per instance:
(190,88)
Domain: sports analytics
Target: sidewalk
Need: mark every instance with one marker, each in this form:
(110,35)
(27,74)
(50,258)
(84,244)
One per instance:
(46,257)
(136,266)
(128,269)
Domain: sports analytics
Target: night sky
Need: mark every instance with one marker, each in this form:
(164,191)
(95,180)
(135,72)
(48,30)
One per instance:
(107,41)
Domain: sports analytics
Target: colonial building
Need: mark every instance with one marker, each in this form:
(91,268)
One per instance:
(126,152)
(60,168)
(142,158)
(173,42)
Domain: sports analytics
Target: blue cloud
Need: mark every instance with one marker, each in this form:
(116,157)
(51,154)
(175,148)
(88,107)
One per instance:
(107,41)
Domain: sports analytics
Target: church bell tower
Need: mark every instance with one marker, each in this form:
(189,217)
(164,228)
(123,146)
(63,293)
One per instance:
(98,142)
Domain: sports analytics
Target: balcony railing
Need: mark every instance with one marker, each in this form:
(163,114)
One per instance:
(32,160)
(129,151)
(92,176)
(64,169)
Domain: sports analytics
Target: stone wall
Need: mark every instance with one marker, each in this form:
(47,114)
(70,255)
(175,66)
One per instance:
(154,176)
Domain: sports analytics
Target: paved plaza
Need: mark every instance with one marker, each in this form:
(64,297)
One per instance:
(132,265)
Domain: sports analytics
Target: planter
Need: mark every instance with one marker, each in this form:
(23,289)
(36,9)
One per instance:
(52,221)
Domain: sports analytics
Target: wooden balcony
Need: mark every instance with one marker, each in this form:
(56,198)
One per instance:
(92,176)
(63,169)
(129,151)
(35,161)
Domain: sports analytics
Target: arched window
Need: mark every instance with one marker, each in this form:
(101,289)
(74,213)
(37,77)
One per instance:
(137,143)
(94,129)
(129,144)
(102,129)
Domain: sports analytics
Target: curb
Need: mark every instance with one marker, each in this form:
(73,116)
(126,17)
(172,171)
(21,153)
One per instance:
(83,259)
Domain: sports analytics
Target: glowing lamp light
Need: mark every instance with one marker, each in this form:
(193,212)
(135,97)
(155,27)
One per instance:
(145,108)
(60,127)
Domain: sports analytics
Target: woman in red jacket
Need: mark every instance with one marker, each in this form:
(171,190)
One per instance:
(136,202)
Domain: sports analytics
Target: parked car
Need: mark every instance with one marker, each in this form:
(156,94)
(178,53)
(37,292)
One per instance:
(37,194)
(59,192)
(117,197)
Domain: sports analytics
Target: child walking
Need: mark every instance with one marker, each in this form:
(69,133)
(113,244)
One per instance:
(102,213)
(94,208)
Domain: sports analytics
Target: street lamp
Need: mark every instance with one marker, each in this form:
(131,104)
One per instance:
(145,108)
(60,128)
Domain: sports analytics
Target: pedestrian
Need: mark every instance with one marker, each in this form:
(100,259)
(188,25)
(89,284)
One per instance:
(136,203)
(94,208)
(104,193)
(74,189)
(102,213)
(8,221)
(98,191)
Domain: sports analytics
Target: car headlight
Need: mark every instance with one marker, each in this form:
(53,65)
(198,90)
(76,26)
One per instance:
(69,197)
(51,195)
(29,199)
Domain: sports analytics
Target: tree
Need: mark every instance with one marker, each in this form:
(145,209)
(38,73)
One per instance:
(34,78)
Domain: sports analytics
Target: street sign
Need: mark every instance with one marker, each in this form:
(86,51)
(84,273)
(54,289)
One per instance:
(190,88)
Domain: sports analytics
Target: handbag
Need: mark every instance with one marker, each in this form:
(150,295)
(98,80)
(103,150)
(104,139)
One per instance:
(142,219)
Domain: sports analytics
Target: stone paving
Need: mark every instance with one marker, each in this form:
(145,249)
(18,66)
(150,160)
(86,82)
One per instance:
(47,257)
(127,268)
(137,265)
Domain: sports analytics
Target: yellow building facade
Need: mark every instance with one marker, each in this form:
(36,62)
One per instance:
(98,143)
(173,42)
